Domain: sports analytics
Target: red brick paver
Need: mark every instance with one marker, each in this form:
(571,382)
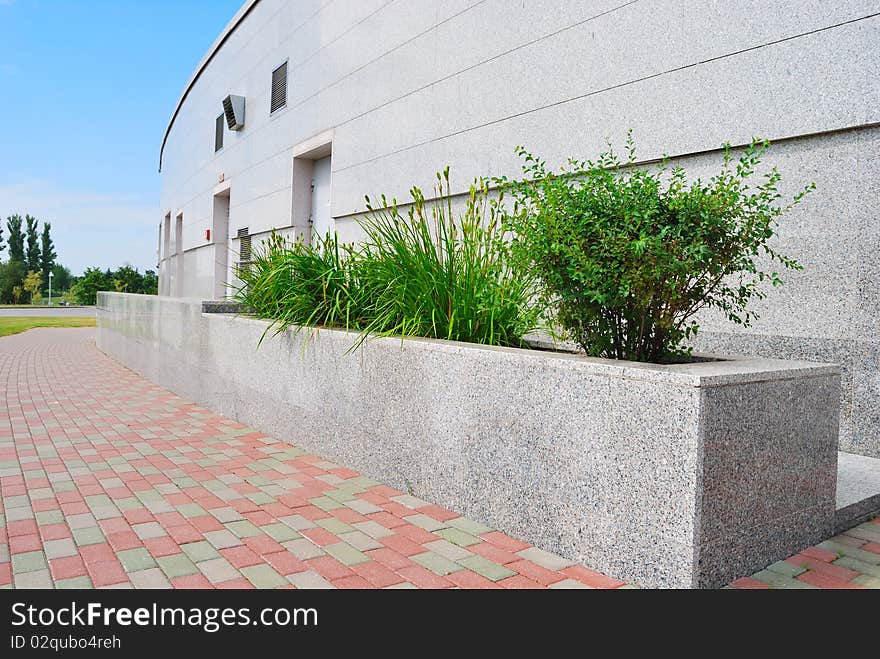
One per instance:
(108,480)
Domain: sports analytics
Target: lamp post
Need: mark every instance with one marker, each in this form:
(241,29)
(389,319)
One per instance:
(50,288)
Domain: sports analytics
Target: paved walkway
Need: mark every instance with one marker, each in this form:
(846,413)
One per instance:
(111,481)
(850,560)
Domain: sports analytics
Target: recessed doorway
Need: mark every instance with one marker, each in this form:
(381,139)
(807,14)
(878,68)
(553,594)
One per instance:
(220,240)
(320,218)
(312,214)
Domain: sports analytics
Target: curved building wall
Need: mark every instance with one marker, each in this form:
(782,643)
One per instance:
(393,90)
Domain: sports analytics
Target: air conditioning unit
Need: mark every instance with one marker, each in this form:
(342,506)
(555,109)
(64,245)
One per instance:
(233,108)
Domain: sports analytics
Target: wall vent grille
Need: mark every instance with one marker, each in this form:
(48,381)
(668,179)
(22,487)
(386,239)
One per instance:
(233,108)
(244,249)
(279,88)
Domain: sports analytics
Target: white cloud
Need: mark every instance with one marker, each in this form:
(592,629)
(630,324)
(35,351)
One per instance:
(88,228)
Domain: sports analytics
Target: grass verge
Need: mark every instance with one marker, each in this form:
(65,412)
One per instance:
(18,324)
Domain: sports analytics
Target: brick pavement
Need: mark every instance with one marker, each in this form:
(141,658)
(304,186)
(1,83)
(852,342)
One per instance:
(110,481)
(850,560)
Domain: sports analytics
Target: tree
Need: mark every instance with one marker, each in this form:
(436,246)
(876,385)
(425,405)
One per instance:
(12,276)
(16,238)
(61,278)
(32,255)
(127,280)
(2,246)
(151,283)
(32,284)
(47,254)
(85,290)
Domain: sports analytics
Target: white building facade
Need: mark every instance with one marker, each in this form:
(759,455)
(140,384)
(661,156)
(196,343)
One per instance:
(344,98)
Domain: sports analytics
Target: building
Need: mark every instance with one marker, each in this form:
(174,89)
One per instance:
(329,100)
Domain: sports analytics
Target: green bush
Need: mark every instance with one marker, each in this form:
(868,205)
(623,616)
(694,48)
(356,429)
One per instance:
(421,273)
(627,256)
(85,290)
(12,274)
(125,279)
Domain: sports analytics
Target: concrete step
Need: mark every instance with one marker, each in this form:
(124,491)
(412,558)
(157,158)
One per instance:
(858,490)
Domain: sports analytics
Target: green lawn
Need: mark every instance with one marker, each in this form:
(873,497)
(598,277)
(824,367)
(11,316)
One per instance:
(39,306)
(17,324)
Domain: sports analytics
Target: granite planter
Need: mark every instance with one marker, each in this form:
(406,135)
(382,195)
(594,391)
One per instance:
(665,476)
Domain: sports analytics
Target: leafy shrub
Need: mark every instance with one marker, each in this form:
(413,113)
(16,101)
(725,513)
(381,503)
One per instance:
(32,285)
(125,279)
(627,256)
(85,290)
(423,273)
(12,274)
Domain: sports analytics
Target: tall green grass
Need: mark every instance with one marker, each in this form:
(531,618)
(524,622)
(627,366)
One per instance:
(294,284)
(423,273)
(431,274)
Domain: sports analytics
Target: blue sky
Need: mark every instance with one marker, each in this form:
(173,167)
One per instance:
(86,90)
